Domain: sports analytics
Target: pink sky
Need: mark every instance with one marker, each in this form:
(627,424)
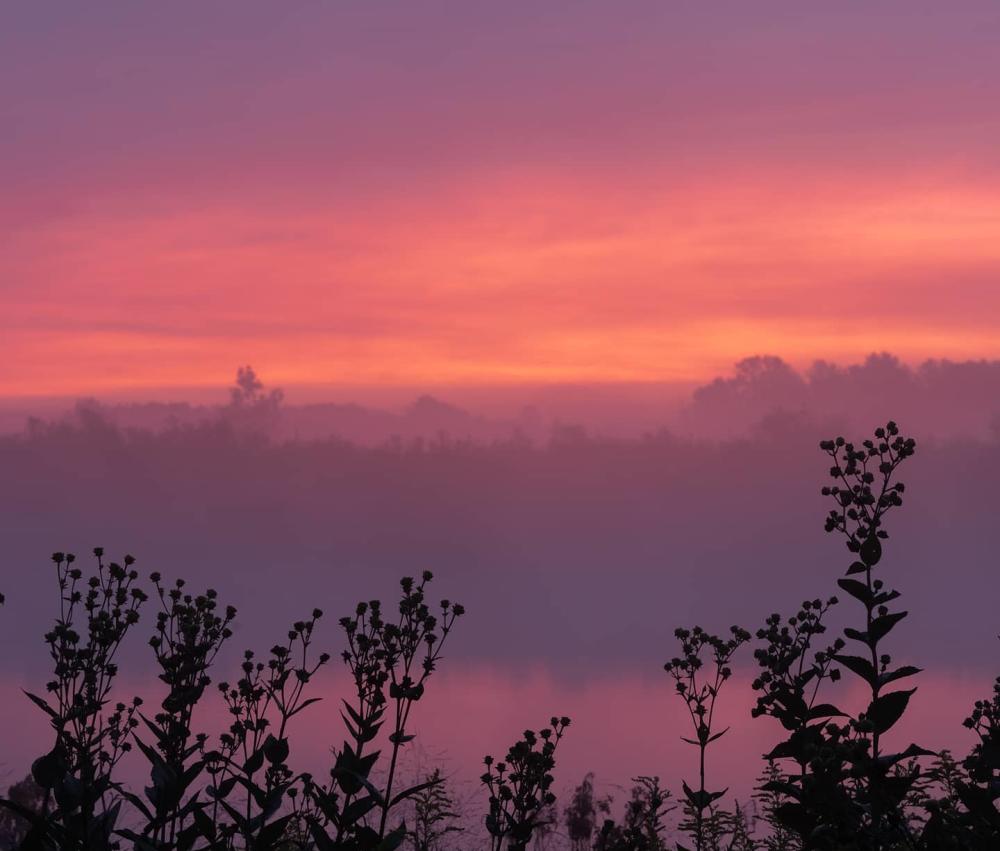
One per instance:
(482,194)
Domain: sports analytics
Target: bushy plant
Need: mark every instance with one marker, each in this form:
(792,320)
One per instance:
(434,815)
(390,661)
(642,827)
(82,800)
(189,634)
(520,786)
(236,790)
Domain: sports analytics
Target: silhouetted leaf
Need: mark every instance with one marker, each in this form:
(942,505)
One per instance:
(888,709)
(881,626)
(858,590)
(898,674)
(309,702)
(255,761)
(788,749)
(862,667)
(275,750)
(871,551)
(400,738)
(357,810)
(413,790)
(911,752)
(49,769)
(824,710)
(41,704)
(393,839)
(270,834)
(856,635)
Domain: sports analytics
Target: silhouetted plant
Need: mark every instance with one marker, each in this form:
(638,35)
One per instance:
(940,782)
(790,680)
(642,827)
(737,829)
(434,815)
(189,634)
(545,832)
(700,692)
(770,799)
(94,617)
(390,663)
(978,821)
(864,494)
(253,754)
(519,786)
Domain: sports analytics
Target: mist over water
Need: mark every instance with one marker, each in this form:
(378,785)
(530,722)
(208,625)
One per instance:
(576,552)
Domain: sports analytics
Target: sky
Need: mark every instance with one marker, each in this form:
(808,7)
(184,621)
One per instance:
(386,199)
(428,194)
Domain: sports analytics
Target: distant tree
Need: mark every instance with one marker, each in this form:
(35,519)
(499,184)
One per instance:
(251,408)
(248,391)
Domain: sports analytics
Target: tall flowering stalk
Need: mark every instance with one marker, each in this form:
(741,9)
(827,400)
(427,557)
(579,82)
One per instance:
(700,693)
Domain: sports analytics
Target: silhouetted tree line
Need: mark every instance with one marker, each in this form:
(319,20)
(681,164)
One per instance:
(832,782)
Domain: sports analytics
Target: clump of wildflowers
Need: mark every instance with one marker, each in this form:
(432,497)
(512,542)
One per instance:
(520,786)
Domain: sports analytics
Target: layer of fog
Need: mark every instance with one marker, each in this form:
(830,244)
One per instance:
(943,398)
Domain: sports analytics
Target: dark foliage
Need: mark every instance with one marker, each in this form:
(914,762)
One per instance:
(519,786)
(642,827)
(434,815)
(831,783)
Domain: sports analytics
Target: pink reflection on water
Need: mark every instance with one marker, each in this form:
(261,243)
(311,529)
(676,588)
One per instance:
(623,725)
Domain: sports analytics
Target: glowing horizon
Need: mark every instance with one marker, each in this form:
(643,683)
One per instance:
(618,207)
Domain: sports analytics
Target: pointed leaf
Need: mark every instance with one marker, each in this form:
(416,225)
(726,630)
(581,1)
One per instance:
(882,625)
(49,769)
(413,790)
(393,839)
(911,752)
(41,704)
(898,674)
(276,750)
(888,709)
(309,702)
(862,667)
(858,590)
(824,710)
(856,635)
